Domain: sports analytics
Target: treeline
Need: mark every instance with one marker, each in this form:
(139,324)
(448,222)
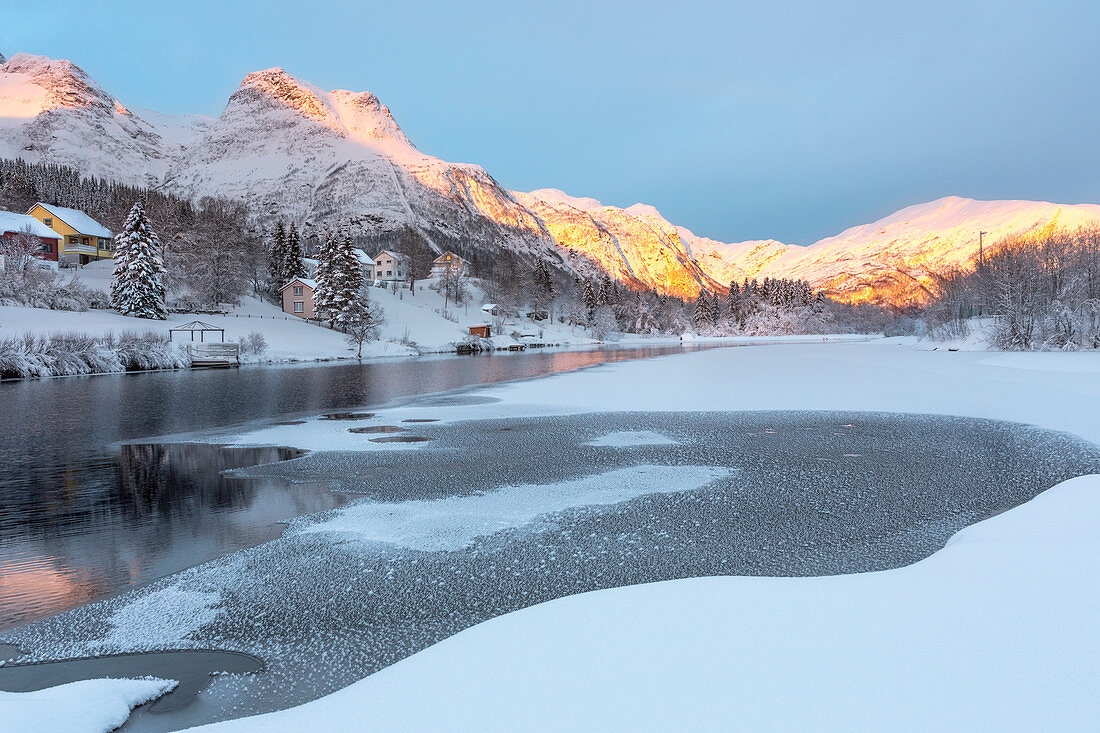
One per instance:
(1043,292)
(774,306)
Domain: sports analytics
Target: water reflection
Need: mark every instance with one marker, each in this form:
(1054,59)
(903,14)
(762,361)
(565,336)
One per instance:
(153,510)
(80,521)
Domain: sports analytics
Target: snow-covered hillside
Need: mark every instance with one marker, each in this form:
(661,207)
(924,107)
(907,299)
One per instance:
(339,159)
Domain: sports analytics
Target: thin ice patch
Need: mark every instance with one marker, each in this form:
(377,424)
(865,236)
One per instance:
(162,618)
(631,438)
(455,522)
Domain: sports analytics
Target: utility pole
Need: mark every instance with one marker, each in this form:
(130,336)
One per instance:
(981,275)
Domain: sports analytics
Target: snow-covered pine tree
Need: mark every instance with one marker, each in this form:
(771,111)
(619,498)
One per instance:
(351,280)
(543,285)
(700,313)
(588,295)
(137,288)
(275,268)
(606,295)
(733,300)
(339,280)
(327,278)
(292,255)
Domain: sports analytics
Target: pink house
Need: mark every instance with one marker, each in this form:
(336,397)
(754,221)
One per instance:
(298,297)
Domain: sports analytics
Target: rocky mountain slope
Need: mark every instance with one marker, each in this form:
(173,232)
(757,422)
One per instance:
(339,159)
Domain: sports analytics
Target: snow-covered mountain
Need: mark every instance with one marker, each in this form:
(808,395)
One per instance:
(52,111)
(339,159)
(892,260)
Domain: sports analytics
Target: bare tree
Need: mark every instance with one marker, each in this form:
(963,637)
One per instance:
(19,250)
(362,322)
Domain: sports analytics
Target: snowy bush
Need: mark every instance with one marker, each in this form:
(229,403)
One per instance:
(253,343)
(60,354)
(47,289)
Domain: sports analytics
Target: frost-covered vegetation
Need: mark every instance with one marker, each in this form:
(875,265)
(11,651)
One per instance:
(60,354)
(35,288)
(1041,292)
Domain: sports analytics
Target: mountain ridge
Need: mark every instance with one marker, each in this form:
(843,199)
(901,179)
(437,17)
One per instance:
(339,159)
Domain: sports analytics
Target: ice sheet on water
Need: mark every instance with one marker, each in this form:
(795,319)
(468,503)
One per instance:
(629,438)
(454,522)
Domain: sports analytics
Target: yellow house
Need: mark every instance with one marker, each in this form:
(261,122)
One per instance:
(81,235)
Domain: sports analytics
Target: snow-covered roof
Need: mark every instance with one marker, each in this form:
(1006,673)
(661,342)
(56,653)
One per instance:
(363,257)
(12,222)
(304,280)
(447,257)
(78,220)
(392,254)
(489,307)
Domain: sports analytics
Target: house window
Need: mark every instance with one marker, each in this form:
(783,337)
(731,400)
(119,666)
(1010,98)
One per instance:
(48,222)
(299,307)
(84,241)
(389,272)
(379,263)
(297,289)
(72,240)
(47,247)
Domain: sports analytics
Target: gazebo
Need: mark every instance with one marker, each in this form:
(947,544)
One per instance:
(196,327)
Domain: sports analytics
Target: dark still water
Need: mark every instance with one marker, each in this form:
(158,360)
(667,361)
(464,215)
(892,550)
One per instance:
(82,518)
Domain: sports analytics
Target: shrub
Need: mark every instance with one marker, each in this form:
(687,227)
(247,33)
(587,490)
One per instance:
(253,343)
(60,354)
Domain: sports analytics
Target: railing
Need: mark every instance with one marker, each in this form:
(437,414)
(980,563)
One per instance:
(214,352)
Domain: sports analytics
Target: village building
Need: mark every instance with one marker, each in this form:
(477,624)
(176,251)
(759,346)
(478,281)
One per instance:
(449,261)
(13,225)
(297,297)
(82,236)
(366,263)
(390,266)
(481,330)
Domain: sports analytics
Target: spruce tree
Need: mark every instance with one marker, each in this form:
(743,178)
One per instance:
(292,256)
(700,314)
(589,297)
(326,277)
(275,266)
(733,301)
(138,287)
(339,280)
(605,296)
(351,280)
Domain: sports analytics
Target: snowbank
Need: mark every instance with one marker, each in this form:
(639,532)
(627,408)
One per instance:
(884,375)
(87,706)
(996,631)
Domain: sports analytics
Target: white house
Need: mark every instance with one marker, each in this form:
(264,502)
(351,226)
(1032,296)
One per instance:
(449,261)
(367,264)
(390,266)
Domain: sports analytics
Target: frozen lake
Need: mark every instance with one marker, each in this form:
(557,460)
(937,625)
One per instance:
(496,515)
(82,518)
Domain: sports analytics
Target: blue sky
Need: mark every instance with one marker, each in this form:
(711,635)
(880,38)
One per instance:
(790,120)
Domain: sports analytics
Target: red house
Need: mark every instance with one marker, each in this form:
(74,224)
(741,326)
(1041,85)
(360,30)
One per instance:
(13,225)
